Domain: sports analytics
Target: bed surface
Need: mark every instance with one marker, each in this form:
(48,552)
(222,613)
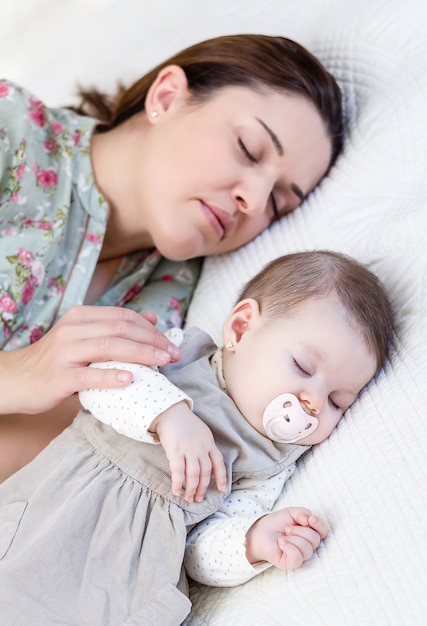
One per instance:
(369,478)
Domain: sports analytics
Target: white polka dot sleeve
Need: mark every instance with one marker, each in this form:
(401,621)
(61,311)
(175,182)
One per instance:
(131,410)
(215,552)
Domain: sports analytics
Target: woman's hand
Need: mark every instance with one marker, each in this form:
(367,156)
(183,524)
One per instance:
(191,451)
(37,378)
(285,538)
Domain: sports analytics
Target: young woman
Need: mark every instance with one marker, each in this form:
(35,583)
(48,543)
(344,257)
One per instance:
(115,209)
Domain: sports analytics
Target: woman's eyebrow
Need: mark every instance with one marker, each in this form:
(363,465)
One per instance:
(274,138)
(276,141)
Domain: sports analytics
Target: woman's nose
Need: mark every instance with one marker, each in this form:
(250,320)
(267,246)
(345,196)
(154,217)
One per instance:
(252,197)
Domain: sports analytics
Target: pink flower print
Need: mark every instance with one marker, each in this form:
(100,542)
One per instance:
(77,137)
(93,238)
(47,178)
(175,304)
(10,232)
(129,295)
(56,127)
(4,90)
(14,197)
(50,145)
(167,278)
(37,113)
(28,291)
(57,284)
(36,334)
(38,272)
(7,304)
(45,226)
(25,257)
(176,319)
(20,171)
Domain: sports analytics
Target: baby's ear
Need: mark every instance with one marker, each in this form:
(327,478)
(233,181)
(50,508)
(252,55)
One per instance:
(243,317)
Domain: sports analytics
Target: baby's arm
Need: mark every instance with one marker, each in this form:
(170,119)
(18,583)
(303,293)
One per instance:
(191,451)
(152,409)
(220,550)
(131,410)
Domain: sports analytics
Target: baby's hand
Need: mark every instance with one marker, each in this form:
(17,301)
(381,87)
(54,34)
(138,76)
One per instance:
(285,538)
(191,451)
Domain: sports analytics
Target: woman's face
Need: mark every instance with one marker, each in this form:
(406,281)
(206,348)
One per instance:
(214,172)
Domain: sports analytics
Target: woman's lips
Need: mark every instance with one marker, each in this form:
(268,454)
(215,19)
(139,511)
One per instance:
(220,220)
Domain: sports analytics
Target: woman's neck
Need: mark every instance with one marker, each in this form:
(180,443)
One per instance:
(115,163)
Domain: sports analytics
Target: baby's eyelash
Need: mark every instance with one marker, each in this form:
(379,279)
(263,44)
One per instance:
(301,369)
(246,152)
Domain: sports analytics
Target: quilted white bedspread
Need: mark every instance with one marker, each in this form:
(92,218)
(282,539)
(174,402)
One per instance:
(369,479)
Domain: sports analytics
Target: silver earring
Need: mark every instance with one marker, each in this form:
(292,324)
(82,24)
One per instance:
(153,114)
(229,345)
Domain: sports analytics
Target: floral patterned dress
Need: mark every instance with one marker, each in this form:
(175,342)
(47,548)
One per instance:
(52,225)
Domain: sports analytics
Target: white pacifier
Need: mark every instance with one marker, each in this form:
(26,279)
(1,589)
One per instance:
(285,421)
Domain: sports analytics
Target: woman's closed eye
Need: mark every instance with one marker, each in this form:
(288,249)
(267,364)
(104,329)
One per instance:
(274,205)
(246,152)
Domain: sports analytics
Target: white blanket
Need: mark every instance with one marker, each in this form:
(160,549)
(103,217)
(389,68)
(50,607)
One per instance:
(368,480)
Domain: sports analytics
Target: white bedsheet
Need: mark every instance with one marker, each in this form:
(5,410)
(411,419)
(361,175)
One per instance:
(369,479)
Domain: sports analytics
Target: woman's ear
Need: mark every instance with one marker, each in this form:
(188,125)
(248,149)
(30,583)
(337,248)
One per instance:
(244,316)
(170,86)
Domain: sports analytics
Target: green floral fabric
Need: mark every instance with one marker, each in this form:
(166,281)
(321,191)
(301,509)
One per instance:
(52,225)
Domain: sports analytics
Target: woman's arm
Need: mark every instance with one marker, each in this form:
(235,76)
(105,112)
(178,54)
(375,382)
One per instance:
(38,377)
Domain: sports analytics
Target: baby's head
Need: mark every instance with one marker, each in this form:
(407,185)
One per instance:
(315,325)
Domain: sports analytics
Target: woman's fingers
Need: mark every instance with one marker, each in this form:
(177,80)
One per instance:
(114,333)
(57,364)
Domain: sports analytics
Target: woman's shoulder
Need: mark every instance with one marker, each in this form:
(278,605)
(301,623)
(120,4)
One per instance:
(11,92)
(19,107)
(36,142)
(23,113)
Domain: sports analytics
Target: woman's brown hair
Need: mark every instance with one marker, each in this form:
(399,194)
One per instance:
(248,60)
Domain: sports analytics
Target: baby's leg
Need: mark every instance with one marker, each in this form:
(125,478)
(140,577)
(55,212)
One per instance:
(22,437)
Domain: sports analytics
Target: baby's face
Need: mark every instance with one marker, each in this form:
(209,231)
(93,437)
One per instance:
(314,354)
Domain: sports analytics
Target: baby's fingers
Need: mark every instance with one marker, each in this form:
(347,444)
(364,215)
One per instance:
(212,464)
(297,545)
(304,517)
(218,469)
(294,534)
(295,550)
(318,525)
(204,480)
(196,479)
(177,467)
(292,555)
